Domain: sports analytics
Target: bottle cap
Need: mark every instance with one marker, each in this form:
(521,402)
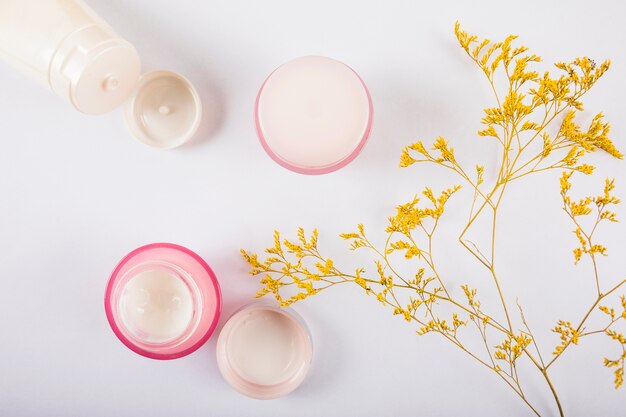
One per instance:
(164,111)
(97,71)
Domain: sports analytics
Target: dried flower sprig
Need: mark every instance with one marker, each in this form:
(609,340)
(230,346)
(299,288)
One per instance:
(523,124)
(570,334)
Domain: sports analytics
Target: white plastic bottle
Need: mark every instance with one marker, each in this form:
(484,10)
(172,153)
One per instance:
(64,45)
(68,48)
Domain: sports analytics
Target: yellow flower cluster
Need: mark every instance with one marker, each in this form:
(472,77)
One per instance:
(301,274)
(583,207)
(534,122)
(609,330)
(512,348)
(567,333)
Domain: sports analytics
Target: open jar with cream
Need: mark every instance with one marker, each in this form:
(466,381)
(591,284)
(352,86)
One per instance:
(163,301)
(264,351)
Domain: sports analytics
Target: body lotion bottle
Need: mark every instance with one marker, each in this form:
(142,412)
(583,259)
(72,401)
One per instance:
(68,48)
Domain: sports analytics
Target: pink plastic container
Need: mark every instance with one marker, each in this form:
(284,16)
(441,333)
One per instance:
(163,301)
(313,115)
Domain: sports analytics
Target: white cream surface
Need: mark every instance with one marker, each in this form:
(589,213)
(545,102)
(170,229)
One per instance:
(266,347)
(156,306)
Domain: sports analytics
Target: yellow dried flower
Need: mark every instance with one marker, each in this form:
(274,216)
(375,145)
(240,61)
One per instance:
(519,122)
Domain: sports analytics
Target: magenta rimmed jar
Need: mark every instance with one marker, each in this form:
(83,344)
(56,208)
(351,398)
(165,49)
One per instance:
(163,301)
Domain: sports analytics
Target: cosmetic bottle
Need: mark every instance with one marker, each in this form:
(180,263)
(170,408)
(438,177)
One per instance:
(69,49)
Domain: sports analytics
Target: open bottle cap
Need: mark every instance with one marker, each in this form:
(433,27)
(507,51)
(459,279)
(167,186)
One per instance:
(97,71)
(164,111)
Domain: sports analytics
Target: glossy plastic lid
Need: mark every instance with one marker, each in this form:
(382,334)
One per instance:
(264,351)
(165,111)
(313,115)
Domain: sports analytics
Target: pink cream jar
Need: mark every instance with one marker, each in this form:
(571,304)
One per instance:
(313,115)
(163,301)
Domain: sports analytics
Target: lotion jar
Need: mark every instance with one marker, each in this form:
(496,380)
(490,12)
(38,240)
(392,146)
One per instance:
(313,115)
(163,301)
(264,351)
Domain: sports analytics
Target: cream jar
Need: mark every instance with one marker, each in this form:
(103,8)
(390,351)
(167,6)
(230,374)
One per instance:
(264,351)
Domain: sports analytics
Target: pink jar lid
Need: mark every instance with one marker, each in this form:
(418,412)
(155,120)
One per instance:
(313,115)
(264,351)
(163,301)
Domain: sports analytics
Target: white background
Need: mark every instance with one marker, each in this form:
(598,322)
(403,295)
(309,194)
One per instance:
(77,193)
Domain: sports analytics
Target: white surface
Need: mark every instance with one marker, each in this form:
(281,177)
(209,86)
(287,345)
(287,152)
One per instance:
(78,193)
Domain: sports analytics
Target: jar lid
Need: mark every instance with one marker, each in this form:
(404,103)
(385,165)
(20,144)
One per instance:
(313,115)
(264,351)
(165,110)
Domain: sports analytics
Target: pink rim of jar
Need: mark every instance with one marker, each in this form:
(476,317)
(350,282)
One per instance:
(190,267)
(240,382)
(314,170)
